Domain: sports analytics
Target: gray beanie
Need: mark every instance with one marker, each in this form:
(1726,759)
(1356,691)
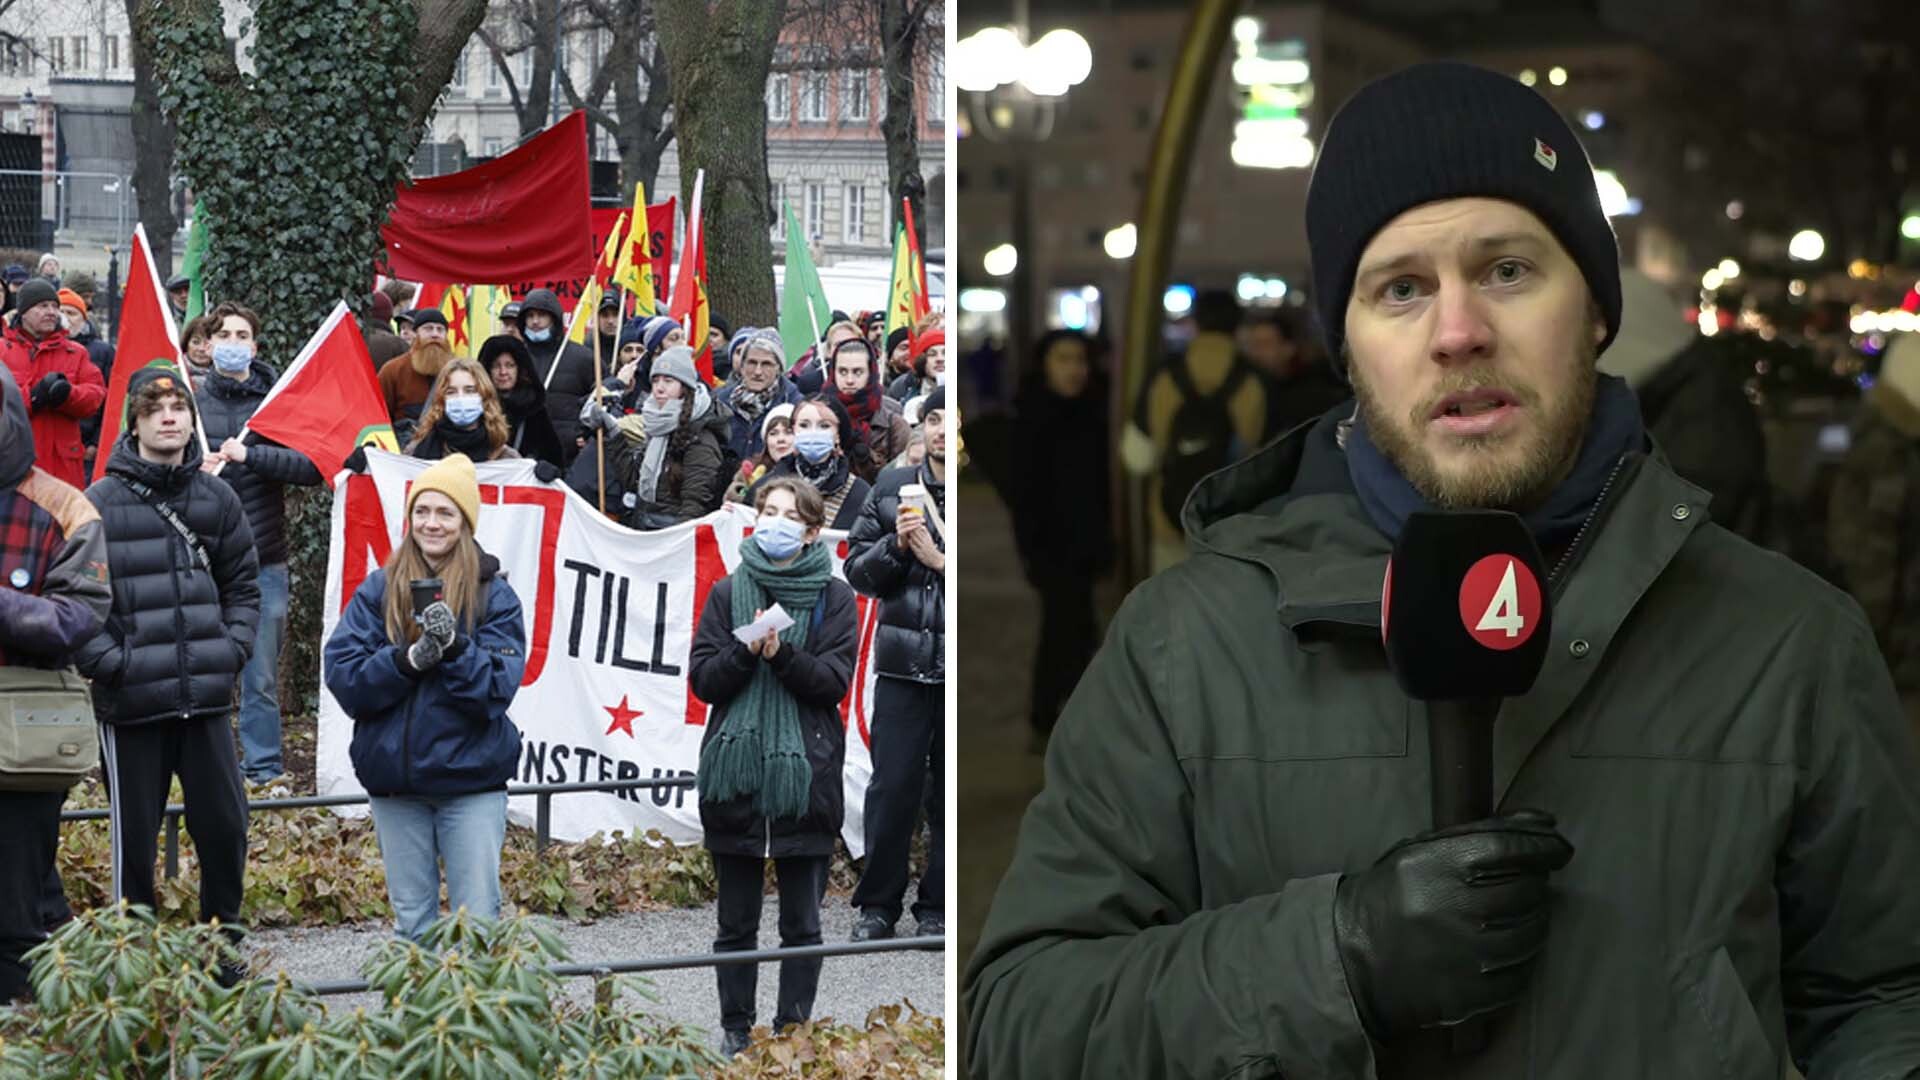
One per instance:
(678,362)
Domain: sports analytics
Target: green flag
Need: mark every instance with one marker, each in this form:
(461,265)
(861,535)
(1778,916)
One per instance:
(804,311)
(196,252)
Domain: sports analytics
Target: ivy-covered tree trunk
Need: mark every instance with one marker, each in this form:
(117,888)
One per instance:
(152,155)
(295,167)
(901,25)
(718,54)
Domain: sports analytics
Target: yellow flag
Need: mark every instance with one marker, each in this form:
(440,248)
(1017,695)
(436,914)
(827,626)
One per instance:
(459,334)
(585,313)
(634,271)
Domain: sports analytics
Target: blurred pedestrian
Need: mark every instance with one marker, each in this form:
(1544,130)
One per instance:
(196,344)
(56,598)
(1298,384)
(1693,398)
(1201,411)
(179,291)
(74,320)
(1061,498)
(258,470)
(49,269)
(510,321)
(427,672)
(1873,521)
(897,554)
(773,749)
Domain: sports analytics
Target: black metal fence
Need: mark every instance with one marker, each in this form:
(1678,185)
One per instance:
(542,811)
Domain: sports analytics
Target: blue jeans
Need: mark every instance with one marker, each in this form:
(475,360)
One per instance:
(260,682)
(419,832)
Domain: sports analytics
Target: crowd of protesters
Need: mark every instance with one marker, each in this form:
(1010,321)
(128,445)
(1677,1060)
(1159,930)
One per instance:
(165,587)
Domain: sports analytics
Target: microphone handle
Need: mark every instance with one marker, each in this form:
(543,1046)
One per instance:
(1460,753)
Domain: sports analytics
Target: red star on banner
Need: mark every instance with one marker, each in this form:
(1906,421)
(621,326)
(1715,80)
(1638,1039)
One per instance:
(623,717)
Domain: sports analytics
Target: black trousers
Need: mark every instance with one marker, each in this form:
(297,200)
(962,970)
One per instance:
(909,769)
(29,836)
(803,882)
(1068,637)
(140,762)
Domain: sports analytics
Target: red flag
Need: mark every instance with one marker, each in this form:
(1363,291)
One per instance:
(521,215)
(329,401)
(147,338)
(660,219)
(689,304)
(922,303)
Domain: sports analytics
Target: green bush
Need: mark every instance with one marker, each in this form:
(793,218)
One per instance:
(119,994)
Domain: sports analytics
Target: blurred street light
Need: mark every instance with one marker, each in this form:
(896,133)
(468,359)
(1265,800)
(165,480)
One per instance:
(1558,76)
(1712,280)
(1729,269)
(1807,246)
(1000,261)
(1178,300)
(1735,210)
(1593,119)
(1246,28)
(1910,228)
(995,56)
(983,301)
(1528,77)
(988,58)
(1119,243)
(1796,287)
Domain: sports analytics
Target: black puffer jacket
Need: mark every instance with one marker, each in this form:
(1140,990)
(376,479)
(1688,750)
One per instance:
(225,407)
(911,643)
(178,635)
(817,675)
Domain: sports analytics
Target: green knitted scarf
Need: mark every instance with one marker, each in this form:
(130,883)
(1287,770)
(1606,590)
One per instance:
(757,750)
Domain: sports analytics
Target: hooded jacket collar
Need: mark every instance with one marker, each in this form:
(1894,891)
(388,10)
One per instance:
(16,434)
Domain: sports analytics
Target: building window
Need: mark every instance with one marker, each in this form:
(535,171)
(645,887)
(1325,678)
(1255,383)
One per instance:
(816,211)
(779,94)
(526,67)
(855,102)
(492,147)
(113,52)
(813,91)
(937,88)
(56,54)
(494,78)
(460,70)
(79,53)
(856,216)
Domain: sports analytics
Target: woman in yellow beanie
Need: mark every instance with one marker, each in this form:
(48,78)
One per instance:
(427,676)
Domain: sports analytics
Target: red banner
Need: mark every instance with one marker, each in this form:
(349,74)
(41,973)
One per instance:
(147,339)
(660,219)
(522,215)
(329,401)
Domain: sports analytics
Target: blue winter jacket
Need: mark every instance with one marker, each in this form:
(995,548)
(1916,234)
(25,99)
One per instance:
(440,732)
(746,439)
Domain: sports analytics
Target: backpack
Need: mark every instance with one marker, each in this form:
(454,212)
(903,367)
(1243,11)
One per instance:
(1202,439)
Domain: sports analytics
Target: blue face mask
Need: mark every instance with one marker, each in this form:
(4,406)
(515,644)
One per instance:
(779,537)
(814,444)
(232,357)
(541,334)
(464,410)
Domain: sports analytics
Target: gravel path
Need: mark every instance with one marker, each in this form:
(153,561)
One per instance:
(849,985)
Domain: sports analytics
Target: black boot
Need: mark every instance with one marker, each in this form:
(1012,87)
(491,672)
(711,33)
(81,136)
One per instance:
(735,1043)
(873,926)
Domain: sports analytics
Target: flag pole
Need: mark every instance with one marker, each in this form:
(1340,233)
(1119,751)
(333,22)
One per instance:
(599,432)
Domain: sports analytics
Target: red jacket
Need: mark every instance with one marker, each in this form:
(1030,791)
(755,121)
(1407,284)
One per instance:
(56,432)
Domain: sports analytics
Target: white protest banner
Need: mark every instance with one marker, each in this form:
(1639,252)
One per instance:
(610,614)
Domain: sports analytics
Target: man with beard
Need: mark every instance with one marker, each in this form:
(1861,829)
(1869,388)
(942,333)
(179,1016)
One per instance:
(756,386)
(1709,804)
(541,321)
(407,379)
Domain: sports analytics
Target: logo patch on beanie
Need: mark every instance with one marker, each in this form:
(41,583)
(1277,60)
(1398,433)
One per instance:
(1544,154)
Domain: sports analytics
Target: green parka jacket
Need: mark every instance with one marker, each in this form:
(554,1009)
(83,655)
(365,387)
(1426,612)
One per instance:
(1714,730)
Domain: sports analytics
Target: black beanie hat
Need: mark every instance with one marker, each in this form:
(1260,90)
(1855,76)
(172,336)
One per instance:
(426,315)
(894,339)
(37,291)
(1445,131)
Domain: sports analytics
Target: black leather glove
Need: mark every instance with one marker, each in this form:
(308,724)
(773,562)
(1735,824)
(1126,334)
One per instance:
(356,461)
(1445,926)
(546,471)
(51,391)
